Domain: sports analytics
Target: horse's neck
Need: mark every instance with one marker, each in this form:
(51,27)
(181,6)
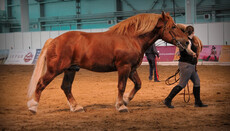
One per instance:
(147,40)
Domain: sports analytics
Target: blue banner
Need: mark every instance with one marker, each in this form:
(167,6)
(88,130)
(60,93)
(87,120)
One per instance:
(38,51)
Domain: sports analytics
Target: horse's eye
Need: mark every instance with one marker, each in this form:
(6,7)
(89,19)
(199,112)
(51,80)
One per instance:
(173,27)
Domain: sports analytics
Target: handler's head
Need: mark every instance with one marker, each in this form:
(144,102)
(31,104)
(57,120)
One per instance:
(189,30)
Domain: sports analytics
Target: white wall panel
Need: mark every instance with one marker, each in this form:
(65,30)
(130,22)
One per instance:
(62,32)
(227,33)
(209,33)
(10,41)
(2,41)
(45,35)
(53,34)
(201,30)
(36,40)
(18,40)
(27,40)
(105,29)
(96,30)
(216,33)
(85,30)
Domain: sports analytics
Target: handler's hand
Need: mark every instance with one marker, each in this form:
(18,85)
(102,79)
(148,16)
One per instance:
(194,55)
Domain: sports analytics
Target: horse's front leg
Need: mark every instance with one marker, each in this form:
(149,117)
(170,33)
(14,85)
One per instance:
(66,87)
(137,85)
(123,73)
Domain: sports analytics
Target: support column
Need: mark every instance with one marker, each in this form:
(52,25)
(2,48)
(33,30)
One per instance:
(118,9)
(78,12)
(6,27)
(24,16)
(174,11)
(2,4)
(190,11)
(42,14)
(2,7)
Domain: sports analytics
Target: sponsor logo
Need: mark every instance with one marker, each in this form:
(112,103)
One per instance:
(28,57)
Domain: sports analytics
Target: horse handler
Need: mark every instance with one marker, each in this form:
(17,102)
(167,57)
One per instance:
(187,67)
(151,54)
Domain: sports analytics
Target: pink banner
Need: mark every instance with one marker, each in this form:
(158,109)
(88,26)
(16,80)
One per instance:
(210,53)
(166,53)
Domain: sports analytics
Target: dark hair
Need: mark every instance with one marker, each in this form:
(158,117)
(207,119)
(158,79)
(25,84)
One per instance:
(189,29)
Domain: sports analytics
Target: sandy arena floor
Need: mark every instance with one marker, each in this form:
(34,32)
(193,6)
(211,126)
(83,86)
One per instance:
(97,93)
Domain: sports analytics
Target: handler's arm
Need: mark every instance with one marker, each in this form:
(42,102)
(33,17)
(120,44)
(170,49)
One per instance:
(189,50)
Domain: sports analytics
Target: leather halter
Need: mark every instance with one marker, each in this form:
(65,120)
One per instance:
(178,44)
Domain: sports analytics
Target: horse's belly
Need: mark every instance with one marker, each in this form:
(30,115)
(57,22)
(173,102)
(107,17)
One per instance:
(100,68)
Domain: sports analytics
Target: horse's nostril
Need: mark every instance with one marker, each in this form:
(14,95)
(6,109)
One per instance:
(187,43)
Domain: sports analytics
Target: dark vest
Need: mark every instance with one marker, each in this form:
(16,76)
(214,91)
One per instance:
(185,57)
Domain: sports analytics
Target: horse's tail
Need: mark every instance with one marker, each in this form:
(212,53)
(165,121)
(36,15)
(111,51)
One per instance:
(39,69)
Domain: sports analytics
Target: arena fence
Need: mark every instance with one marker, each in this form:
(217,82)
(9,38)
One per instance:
(168,56)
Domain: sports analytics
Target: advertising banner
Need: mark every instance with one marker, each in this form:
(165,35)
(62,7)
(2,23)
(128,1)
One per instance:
(3,55)
(166,53)
(38,51)
(24,57)
(210,53)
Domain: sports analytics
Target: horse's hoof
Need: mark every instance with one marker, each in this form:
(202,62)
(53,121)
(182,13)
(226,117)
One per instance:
(32,111)
(77,109)
(32,106)
(123,108)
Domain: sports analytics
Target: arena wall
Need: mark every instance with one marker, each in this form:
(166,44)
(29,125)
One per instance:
(209,33)
(18,45)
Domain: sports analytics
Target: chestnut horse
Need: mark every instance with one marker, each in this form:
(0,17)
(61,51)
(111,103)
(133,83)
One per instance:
(121,49)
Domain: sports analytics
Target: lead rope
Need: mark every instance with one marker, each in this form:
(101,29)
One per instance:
(188,94)
(175,75)
(167,80)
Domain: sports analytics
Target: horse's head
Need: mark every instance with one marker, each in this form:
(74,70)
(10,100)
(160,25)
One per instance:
(170,32)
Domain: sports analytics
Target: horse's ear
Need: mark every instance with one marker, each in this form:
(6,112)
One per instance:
(163,15)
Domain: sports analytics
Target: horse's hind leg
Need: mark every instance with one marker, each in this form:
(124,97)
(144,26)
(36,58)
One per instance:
(137,85)
(67,86)
(42,83)
(123,73)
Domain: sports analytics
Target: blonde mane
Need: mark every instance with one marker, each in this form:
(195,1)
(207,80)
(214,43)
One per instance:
(136,25)
(181,26)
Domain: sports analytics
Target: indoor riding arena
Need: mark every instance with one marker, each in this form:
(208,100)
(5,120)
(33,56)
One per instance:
(27,26)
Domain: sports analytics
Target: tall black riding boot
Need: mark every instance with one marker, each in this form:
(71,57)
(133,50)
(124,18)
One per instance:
(172,94)
(198,102)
